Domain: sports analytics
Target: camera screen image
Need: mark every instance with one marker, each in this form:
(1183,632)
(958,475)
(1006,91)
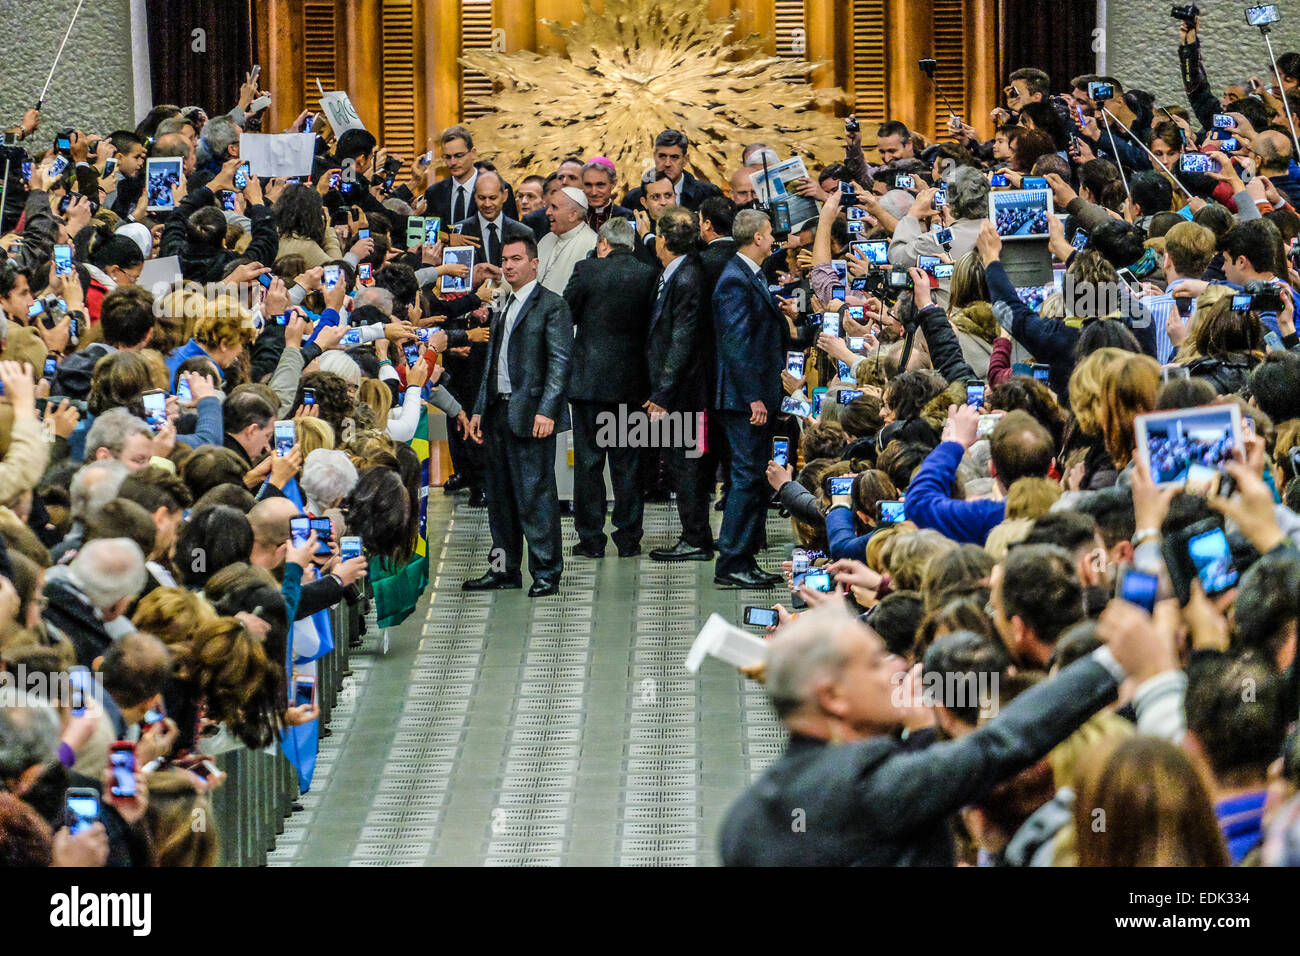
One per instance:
(1195,437)
(1020,212)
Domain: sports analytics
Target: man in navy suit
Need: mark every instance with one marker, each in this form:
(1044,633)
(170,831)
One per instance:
(452,199)
(521,407)
(750,329)
(488,226)
(670,159)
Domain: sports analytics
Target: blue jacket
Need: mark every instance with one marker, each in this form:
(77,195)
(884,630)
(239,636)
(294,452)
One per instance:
(210,428)
(929,503)
(750,330)
(187,351)
(839,535)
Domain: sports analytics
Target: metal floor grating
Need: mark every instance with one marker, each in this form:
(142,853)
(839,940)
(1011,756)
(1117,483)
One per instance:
(500,731)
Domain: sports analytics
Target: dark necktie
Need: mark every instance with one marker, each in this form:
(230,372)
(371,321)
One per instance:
(494,245)
(458,213)
(659,297)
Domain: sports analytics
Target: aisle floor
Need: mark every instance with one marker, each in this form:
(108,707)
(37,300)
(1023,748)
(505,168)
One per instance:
(504,731)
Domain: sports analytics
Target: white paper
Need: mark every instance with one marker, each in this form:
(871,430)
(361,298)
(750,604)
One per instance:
(160,272)
(779,177)
(278,154)
(721,640)
(340,112)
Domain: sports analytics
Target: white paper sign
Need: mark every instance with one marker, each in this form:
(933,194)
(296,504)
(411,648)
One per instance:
(340,112)
(719,639)
(278,154)
(159,273)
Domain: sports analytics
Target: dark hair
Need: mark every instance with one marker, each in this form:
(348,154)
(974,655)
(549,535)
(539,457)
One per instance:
(720,212)
(149,125)
(1112,510)
(153,488)
(1234,707)
(1275,385)
(1034,398)
(209,466)
(1104,334)
(1072,530)
(212,539)
(870,488)
(1256,240)
(206,228)
(102,247)
(333,399)
(861,417)
(1120,243)
(201,365)
(1030,145)
(246,408)
(400,281)
(120,518)
(243,587)
(378,509)
(126,316)
(895,618)
(1045,118)
(894,128)
(124,140)
(1151,192)
(528,242)
(672,137)
(679,229)
(229,494)
(900,459)
(1268,600)
(354,143)
(1020,447)
(300,212)
(1041,587)
(963,656)
(135,668)
(1095,174)
(908,393)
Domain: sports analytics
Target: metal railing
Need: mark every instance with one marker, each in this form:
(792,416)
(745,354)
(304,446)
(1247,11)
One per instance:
(261,786)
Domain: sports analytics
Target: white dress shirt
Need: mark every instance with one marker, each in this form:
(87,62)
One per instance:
(753,266)
(468,186)
(508,322)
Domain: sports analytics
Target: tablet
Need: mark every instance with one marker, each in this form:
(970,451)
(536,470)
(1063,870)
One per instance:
(1188,446)
(1021,213)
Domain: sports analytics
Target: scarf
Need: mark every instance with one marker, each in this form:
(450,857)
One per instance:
(1144,266)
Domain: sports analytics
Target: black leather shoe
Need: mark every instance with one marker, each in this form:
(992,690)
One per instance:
(455,483)
(774,578)
(681,551)
(478,498)
(544,588)
(493,581)
(588,550)
(754,580)
(629,551)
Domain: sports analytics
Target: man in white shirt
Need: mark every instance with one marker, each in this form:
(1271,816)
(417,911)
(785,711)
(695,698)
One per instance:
(569,240)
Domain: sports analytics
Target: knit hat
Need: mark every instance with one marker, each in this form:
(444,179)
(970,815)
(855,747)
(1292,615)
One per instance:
(577,195)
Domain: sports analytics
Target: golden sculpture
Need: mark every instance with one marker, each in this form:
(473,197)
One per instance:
(640,67)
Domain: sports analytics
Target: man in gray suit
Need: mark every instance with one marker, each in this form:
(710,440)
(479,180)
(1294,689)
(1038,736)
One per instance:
(521,407)
(847,792)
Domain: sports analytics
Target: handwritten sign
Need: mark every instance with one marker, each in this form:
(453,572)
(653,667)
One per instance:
(340,112)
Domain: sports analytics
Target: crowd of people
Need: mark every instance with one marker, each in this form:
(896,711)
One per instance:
(167,448)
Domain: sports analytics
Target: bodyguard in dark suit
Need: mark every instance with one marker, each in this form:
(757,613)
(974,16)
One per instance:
(670,158)
(452,199)
(488,225)
(610,299)
(520,408)
(716,216)
(751,329)
(678,383)
(846,792)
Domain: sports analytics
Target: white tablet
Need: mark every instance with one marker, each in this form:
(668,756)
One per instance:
(1188,446)
(1021,213)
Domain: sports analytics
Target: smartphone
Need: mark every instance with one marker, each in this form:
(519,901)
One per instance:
(845,395)
(412,350)
(999,180)
(984,428)
(857,343)
(875,251)
(890,512)
(81,806)
(1042,373)
(265,279)
(365,272)
(944,270)
(331,276)
(760,616)
(121,761)
(57,167)
(794,406)
(62,259)
(432,226)
(155,408)
(363,234)
(854,227)
(839,485)
(831,323)
(1022,368)
(285,438)
(78,678)
(309,396)
(1229,145)
(904,181)
(943,236)
(1034,182)
(794,363)
(51,366)
(414,231)
(324,531)
(336,178)
(1080,239)
(299,530)
(927,263)
(1140,589)
(228,200)
(1100,92)
(817,580)
(781,451)
(241,176)
(940,199)
(350,547)
(1224,121)
(350,338)
(975,394)
(1197,163)
(1262,14)
(304,690)
(800,561)
(183,392)
(837,292)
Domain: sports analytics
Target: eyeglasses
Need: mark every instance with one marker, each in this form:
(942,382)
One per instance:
(453,157)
